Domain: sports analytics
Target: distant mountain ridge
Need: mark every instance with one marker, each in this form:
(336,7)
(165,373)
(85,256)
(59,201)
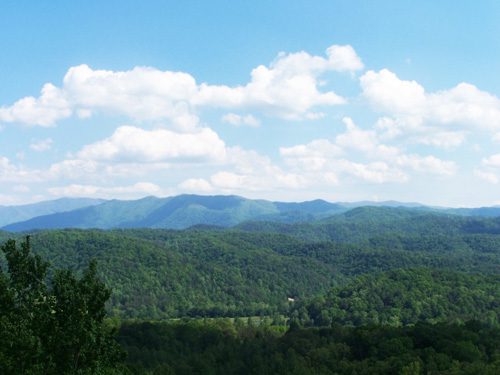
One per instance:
(13,214)
(184,211)
(179,212)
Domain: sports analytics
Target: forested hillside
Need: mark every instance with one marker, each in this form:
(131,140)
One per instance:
(209,271)
(267,297)
(360,225)
(403,297)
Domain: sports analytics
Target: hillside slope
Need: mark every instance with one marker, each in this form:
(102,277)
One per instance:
(402,297)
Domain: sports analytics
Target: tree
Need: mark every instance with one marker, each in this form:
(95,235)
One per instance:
(56,325)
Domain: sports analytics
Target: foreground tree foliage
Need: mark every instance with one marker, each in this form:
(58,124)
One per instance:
(56,326)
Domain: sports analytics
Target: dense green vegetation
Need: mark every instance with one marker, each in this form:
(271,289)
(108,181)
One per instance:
(175,274)
(403,297)
(52,326)
(163,273)
(363,224)
(225,348)
(371,290)
(251,270)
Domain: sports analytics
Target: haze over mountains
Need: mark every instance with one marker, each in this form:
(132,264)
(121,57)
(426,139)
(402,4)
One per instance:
(12,214)
(184,211)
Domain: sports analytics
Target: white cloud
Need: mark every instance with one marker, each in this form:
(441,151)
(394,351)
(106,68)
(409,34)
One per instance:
(73,169)
(21,189)
(288,88)
(376,172)
(437,118)
(42,145)
(492,161)
(490,177)
(496,137)
(135,145)
(490,170)
(13,173)
(343,58)
(253,171)
(132,191)
(50,107)
(375,162)
(7,200)
(237,120)
(245,172)
(132,152)
(442,139)
(229,180)
(197,185)
(427,164)
(313,156)
(387,92)
(366,141)
(141,93)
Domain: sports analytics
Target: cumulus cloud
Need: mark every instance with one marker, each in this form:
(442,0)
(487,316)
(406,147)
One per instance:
(442,139)
(439,118)
(488,176)
(42,145)
(131,191)
(313,156)
(253,171)
(387,92)
(132,144)
(21,189)
(376,162)
(490,169)
(51,106)
(427,164)
(343,58)
(366,141)
(197,185)
(288,88)
(245,171)
(492,161)
(142,93)
(131,152)
(13,173)
(237,120)
(8,199)
(73,169)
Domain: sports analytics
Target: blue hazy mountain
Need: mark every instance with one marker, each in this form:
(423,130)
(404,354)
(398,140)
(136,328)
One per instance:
(13,214)
(179,212)
(184,211)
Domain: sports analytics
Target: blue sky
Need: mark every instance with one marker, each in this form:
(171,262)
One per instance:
(340,100)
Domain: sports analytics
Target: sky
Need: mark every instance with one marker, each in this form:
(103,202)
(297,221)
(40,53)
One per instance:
(280,100)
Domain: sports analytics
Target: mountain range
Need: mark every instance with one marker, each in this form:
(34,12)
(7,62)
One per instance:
(13,214)
(184,211)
